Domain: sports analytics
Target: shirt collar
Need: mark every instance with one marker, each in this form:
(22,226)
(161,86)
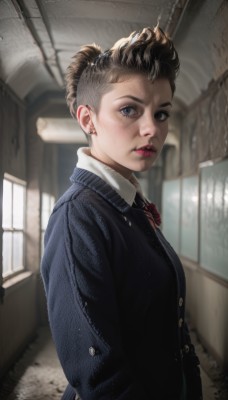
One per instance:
(125,188)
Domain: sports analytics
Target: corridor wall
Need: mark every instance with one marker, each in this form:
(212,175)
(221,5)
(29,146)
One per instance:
(18,310)
(195,215)
(24,156)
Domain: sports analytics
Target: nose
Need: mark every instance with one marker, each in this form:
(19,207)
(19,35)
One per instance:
(149,126)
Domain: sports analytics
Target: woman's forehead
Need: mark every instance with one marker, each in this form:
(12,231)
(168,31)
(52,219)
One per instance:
(140,85)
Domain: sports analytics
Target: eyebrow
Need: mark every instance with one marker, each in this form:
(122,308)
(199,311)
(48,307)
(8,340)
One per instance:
(166,104)
(142,102)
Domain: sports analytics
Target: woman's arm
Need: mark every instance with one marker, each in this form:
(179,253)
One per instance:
(82,305)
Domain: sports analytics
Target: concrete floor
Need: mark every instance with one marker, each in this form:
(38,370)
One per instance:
(38,374)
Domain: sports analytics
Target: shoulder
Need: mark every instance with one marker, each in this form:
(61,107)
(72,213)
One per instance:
(89,207)
(80,211)
(80,200)
(90,193)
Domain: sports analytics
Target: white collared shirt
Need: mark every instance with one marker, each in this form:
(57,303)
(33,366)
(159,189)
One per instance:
(125,188)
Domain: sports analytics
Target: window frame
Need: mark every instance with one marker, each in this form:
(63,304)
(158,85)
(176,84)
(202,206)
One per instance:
(14,272)
(47,211)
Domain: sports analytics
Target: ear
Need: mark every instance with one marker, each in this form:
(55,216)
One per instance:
(84,118)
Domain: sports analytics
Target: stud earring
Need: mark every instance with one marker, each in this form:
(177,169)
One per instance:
(92,131)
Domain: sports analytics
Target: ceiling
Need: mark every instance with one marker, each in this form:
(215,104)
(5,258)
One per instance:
(39,37)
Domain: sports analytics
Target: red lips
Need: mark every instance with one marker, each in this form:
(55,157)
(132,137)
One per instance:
(146,151)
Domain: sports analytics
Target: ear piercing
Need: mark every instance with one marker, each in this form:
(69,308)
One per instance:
(92,130)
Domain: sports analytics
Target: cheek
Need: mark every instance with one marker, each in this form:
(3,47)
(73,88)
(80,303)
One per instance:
(109,123)
(164,131)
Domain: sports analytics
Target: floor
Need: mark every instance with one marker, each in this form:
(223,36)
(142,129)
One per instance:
(38,375)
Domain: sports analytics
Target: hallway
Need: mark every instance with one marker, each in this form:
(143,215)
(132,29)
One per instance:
(39,147)
(38,374)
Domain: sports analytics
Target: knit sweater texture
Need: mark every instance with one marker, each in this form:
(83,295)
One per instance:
(116,299)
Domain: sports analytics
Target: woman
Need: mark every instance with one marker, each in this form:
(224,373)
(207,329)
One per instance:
(115,288)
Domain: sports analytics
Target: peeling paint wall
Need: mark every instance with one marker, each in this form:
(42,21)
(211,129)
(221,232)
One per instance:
(219,35)
(203,139)
(12,119)
(205,128)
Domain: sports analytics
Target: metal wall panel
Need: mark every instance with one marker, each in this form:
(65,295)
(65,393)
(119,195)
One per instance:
(171,212)
(189,218)
(214,219)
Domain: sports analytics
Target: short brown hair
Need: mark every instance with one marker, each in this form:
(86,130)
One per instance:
(150,52)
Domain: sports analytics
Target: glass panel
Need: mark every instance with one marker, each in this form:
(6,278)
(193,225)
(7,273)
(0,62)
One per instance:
(214,219)
(7,204)
(7,253)
(18,206)
(17,251)
(171,212)
(189,218)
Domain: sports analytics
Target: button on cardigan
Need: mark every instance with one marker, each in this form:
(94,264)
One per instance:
(113,285)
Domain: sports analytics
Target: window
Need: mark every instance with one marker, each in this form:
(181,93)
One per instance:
(13,224)
(47,206)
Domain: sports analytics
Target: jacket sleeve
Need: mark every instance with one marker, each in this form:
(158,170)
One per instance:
(82,305)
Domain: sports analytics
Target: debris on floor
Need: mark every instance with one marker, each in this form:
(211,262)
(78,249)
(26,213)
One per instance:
(39,376)
(215,382)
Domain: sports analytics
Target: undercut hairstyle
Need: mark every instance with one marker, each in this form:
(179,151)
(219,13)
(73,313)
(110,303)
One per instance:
(149,52)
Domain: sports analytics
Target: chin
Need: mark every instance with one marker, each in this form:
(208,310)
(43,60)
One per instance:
(145,167)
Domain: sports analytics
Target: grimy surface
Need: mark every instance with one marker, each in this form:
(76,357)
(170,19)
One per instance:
(38,375)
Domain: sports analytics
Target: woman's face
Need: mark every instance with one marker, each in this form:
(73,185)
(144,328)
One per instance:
(132,124)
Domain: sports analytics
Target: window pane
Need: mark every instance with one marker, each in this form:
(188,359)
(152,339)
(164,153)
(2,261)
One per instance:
(42,243)
(45,210)
(18,206)
(7,253)
(52,203)
(17,251)
(7,204)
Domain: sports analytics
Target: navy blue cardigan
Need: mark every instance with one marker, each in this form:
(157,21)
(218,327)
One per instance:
(116,298)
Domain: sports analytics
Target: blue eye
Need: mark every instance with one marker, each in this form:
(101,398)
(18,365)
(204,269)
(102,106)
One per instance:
(128,111)
(161,115)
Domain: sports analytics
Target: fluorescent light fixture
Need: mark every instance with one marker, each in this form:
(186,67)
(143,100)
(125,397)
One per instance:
(60,130)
